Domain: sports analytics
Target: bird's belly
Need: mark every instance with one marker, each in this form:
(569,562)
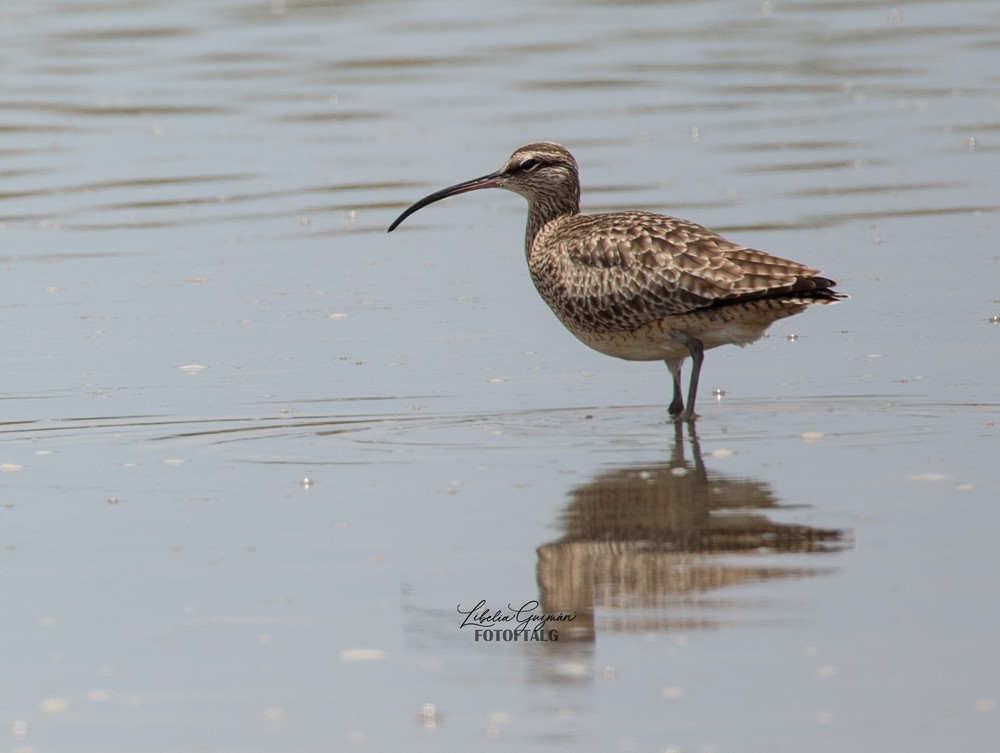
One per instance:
(727,325)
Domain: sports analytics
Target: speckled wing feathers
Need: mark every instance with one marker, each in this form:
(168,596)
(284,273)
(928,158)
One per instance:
(620,271)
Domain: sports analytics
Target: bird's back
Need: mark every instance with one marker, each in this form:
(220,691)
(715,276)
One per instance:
(612,273)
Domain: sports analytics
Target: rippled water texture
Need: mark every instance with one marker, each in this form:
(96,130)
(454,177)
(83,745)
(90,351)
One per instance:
(256,454)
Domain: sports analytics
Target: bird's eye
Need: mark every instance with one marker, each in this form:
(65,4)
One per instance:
(530,164)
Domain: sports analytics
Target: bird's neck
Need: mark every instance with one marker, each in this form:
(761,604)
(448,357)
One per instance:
(543,211)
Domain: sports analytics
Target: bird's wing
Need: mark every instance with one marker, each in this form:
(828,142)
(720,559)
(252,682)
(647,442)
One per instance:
(629,268)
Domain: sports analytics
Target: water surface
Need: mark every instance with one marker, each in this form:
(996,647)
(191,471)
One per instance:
(255,453)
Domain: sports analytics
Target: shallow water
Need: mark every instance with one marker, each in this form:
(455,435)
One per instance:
(255,453)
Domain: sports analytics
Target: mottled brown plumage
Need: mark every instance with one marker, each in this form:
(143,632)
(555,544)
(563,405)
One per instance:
(638,285)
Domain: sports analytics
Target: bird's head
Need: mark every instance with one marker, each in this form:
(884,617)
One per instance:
(545,173)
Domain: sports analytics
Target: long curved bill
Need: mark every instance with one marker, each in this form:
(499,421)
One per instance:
(492,180)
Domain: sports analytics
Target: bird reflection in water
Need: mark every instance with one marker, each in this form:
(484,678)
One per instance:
(651,542)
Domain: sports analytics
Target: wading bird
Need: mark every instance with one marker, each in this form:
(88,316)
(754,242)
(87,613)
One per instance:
(638,285)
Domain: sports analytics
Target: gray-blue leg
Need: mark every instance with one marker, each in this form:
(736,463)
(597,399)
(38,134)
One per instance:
(697,351)
(677,404)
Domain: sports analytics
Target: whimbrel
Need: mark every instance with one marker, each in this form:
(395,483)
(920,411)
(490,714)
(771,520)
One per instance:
(638,285)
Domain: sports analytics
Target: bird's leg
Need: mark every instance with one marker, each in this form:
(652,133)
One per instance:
(697,351)
(677,404)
